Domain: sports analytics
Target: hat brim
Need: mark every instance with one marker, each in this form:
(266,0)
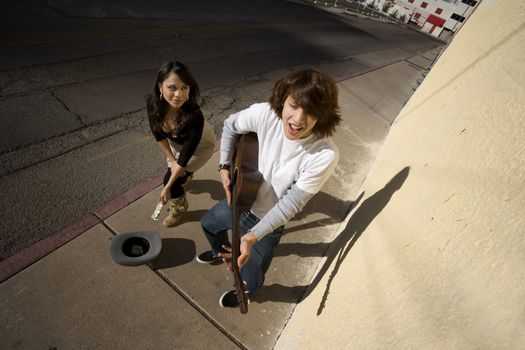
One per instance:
(128,248)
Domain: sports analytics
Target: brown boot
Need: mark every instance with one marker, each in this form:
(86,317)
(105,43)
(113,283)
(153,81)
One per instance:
(176,207)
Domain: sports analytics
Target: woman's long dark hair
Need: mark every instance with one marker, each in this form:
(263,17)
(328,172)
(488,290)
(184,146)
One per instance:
(157,107)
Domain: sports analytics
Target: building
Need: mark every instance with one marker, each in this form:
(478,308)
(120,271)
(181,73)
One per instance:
(440,18)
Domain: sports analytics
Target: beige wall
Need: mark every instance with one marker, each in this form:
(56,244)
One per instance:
(434,255)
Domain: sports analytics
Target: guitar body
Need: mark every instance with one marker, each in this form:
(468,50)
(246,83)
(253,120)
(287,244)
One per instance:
(245,184)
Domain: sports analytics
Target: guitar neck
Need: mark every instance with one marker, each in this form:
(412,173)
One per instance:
(245,185)
(236,245)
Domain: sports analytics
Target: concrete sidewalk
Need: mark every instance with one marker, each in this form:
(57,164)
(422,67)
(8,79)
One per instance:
(76,297)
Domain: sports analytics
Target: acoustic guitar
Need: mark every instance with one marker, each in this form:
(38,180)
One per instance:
(245,179)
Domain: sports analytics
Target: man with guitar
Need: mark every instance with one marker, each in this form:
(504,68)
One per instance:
(296,155)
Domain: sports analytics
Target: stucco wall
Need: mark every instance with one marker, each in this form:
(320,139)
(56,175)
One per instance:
(433,257)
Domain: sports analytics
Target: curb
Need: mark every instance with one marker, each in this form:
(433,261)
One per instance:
(18,262)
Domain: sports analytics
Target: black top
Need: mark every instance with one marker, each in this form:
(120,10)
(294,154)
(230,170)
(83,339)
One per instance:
(189,137)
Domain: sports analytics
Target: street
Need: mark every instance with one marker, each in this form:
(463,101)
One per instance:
(73,77)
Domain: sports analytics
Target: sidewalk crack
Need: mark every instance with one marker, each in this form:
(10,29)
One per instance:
(199,309)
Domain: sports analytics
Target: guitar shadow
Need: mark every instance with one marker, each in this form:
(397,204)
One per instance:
(303,250)
(324,203)
(334,208)
(337,250)
(279,293)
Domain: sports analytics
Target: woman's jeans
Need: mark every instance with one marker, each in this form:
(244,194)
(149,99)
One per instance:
(216,223)
(177,189)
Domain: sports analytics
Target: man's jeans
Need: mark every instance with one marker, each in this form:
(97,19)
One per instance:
(216,223)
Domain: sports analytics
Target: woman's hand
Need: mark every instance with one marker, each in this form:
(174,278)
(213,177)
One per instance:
(176,171)
(165,195)
(226,184)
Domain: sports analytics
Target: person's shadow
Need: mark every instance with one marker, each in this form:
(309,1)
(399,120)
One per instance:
(174,252)
(213,187)
(341,246)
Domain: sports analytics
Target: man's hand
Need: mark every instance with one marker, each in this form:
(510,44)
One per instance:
(226,184)
(227,257)
(247,242)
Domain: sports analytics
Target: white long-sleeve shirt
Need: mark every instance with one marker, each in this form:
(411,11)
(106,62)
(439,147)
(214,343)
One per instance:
(292,170)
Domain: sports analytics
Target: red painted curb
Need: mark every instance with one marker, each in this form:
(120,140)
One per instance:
(128,197)
(16,263)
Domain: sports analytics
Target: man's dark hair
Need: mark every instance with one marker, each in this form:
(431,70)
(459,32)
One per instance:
(316,93)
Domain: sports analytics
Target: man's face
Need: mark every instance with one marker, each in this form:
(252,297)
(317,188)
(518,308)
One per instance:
(296,123)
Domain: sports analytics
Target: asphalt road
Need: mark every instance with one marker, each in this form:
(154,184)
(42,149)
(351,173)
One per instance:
(73,77)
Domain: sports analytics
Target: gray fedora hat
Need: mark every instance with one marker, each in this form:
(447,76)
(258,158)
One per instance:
(135,248)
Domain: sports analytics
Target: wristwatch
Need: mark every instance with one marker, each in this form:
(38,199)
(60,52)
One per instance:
(224,166)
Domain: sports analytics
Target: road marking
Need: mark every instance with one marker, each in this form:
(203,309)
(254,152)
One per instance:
(117,149)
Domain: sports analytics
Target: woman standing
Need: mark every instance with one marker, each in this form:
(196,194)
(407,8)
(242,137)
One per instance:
(181,132)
